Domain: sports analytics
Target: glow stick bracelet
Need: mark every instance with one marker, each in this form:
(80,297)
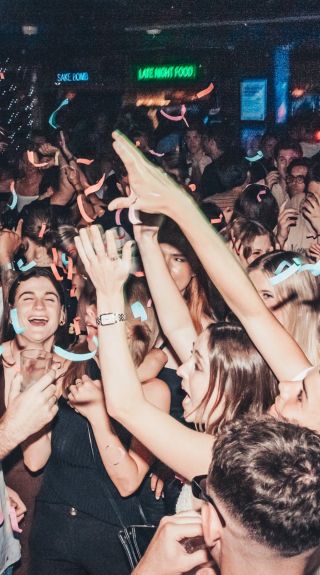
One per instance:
(95,187)
(15,321)
(52,118)
(42,230)
(176,118)
(205,92)
(70,269)
(14,196)
(149,303)
(117,217)
(71,356)
(256,158)
(64,259)
(30,156)
(280,277)
(132,216)
(55,256)
(139,311)
(216,220)
(259,194)
(55,272)
(82,210)
(139,274)
(84,161)
(26,267)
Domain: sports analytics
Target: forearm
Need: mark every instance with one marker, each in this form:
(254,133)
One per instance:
(36,451)
(9,438)
(120,381)
(120,466)
(177,325)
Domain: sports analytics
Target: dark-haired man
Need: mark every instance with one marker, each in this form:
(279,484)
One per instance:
(216,142)
(261,510)
(285,151)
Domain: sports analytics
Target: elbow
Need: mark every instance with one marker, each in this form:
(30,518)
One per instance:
(33,466)
(128,488)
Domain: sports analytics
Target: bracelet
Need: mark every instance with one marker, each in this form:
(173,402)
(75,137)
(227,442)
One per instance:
(110,318)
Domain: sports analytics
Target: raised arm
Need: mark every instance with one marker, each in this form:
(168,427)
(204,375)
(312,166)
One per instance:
(156,193)
(123,392)
(175,319)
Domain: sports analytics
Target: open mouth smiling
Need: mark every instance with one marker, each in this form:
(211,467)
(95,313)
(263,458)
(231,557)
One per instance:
(38,321)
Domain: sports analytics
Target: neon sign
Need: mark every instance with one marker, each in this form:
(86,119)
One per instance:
(166,72)
(73,77)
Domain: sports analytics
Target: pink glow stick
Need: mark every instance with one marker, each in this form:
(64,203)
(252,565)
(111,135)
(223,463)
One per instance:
(82,210)
(84,161)
(262,193)
(95,187)
(176,118)
(117,218)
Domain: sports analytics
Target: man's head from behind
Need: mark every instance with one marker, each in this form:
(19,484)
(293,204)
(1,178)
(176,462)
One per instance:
(265,481)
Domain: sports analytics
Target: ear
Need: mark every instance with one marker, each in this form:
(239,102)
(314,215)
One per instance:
(62,320)
(212,528)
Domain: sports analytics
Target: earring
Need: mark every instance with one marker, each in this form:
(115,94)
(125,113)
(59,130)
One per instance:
(62,322)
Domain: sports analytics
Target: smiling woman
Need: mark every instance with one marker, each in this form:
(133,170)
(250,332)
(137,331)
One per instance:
(38,300)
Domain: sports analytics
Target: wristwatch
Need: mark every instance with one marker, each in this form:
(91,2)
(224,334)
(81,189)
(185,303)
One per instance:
(110,318)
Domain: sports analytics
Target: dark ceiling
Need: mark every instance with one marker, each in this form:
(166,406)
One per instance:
(76,31)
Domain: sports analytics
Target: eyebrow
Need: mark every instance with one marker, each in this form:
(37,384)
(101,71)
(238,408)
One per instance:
(33,293)
(304,388)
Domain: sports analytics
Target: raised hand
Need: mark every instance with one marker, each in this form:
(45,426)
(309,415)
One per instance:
(287,219)
(153,191)
(107,271)
(311,211)
(87,398)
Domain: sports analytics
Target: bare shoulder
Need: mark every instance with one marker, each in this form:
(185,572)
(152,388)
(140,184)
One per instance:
(157,392)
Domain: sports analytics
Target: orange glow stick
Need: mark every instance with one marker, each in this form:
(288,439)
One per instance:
(84,161)
(42,230)
(82,210)
(205,92)
(95,187)
(55,272)
(31,159)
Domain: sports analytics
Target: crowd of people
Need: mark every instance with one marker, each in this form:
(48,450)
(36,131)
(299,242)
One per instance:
(172,284)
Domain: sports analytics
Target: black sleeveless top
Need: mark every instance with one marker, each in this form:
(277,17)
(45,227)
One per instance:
(75,474)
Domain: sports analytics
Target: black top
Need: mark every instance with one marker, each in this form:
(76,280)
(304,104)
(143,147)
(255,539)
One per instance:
(74,477)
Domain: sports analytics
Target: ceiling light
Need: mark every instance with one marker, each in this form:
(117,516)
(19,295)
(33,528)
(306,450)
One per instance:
(29,30)
(154,31)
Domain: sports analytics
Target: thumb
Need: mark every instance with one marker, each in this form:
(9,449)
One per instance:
(15,388)
(126,253)
(118,203)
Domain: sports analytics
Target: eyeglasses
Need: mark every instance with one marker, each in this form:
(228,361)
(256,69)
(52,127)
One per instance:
(199,492)
(298,179)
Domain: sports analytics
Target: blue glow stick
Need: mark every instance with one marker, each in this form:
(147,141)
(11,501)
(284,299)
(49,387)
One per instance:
(282,266)
(95,341)
(277,279)
(26,267)
(314,269)
(64,259)
(52,119)
(14,197)
(15,321)
(1,350)
(71,356)
(139,311)
(256,158)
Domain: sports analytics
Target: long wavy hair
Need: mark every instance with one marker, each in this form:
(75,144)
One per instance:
(240,379)
(298,297)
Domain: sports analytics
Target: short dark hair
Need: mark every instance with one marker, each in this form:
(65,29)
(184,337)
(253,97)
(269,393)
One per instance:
(221,134)
(267,474)
(287,145)
(298,162)
(265,211)
(232,170)
(314,173)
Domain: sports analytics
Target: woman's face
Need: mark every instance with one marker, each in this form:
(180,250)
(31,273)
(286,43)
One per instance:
(299,401)
(260,245)
(36,253)
(178,266)
(195,373)
(268,293)
(39,309)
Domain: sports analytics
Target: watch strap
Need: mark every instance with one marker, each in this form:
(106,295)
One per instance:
(110,318)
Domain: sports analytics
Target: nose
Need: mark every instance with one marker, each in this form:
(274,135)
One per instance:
(184,368)
(289,389)
(39,303)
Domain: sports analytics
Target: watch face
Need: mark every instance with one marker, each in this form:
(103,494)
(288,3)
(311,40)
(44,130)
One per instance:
(107,318)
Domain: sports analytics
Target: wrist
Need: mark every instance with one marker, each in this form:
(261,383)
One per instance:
(6,263)
(107,303)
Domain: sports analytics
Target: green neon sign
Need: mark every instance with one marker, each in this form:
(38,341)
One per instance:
(166,72)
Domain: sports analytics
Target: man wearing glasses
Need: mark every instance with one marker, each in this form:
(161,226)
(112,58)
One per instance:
(260,512)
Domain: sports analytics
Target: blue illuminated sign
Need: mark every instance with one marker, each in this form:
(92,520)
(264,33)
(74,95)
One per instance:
(73,77)
(253,94)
